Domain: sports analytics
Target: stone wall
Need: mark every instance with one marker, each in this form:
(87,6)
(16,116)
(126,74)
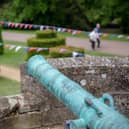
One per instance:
(95,74)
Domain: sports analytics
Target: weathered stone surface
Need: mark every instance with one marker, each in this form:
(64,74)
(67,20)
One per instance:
(23,121)
(4,107)
(56,116)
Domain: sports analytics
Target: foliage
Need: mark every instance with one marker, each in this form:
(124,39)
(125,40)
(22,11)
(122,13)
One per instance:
(44,39)
(26,10)
(77,14)
(122,12)
(3,1)
(1,41)
(68,13)
(46,34)
(45,43)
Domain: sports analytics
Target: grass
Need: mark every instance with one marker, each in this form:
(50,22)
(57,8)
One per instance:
(94,53)
(11,57)
(114,38)
(9,87)
(15,43)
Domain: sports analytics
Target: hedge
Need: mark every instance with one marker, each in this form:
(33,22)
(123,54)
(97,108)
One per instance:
(46,34)
(44,39)
(1,41)
(64,51)
(47,43)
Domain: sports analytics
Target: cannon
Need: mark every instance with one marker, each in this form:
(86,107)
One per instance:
(92,112)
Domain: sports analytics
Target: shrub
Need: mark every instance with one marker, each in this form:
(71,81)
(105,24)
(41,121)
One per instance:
(52,42)
(64,51)
(46,34)
(44,39)
(1,41)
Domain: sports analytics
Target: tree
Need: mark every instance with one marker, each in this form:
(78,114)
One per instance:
(3,1)
(26,10)
(68,13)
(122,11)
(76,14)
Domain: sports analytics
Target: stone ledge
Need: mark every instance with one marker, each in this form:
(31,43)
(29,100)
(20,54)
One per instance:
(30,120)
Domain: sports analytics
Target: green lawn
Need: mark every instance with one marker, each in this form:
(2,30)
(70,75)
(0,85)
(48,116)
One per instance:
(9,87)
(15,43)
(94,53)
(11,57)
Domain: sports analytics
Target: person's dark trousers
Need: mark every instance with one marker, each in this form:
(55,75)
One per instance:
(98,41)
(92,44)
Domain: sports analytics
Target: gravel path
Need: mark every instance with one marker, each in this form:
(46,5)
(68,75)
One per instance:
(113,47)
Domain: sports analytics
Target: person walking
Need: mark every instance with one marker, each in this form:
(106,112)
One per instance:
(93,38)
(98,31)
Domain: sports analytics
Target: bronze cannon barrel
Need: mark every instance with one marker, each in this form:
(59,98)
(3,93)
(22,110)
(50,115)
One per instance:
(92,112)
